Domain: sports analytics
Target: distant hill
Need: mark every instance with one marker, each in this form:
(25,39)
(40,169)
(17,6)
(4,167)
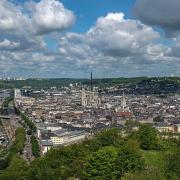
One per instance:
(137,85)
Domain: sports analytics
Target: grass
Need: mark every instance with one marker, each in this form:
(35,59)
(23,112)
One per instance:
(155,159)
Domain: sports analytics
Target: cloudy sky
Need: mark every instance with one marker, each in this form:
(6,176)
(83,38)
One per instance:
(68,38)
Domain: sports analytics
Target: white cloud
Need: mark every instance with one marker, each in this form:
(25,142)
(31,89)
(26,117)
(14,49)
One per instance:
(119,46)
(51,15)
(116,36)
(39,18)
(156,50)
(24,26)
(11,17)
(40,57)
(112,17)
(6,44)
(112,36)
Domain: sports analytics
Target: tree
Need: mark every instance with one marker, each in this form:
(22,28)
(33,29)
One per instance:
(100,157)
(148,137)
(28,122)
(16,169)
(35,147)
(112,163)
(101,165)
(29,132)
(129,159)
(16,147)
(108,137)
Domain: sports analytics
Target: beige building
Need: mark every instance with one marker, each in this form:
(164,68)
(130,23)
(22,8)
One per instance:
(168,128)
(89,99)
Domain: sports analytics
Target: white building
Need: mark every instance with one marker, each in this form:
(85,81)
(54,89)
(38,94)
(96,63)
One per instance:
(60,137)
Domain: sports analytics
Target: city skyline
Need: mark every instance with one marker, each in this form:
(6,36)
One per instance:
(56,39)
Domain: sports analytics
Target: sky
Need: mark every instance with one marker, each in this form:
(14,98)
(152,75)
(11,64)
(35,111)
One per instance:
(69,38)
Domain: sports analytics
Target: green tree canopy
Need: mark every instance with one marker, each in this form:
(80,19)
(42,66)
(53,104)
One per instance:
(148,137)
(101,164)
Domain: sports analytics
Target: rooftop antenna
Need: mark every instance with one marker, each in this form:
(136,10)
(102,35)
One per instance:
(91,81)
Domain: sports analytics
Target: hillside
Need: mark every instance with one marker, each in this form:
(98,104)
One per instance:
(139,85)
(108,155)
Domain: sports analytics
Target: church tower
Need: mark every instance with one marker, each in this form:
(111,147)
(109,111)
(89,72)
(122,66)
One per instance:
(123,102)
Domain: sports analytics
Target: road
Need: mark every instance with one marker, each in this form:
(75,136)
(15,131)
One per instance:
(10,122)
(27,152)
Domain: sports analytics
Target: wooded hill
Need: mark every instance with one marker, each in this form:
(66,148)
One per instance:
(110,154)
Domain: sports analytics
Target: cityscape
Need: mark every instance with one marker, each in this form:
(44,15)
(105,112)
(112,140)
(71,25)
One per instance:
(89,90)
(56,117)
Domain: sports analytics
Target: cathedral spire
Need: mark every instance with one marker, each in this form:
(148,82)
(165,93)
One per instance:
(91,81)
(123,101)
